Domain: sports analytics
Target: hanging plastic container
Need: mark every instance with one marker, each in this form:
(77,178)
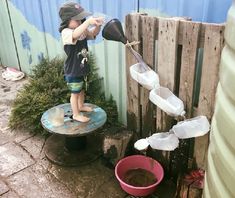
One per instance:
(190,128)
(141,144)
(167,101)
(166,141)
(147,78)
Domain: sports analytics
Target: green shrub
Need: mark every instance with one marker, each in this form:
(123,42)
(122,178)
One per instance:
(46,88)
(95,95)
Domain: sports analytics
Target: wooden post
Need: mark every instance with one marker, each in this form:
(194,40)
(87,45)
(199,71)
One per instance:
(213,45)
(133,96)
(148,37)
(188,63)
(189,36)
(170,47)
(167,61)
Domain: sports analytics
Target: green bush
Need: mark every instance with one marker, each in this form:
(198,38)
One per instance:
(46,88)
(95,95)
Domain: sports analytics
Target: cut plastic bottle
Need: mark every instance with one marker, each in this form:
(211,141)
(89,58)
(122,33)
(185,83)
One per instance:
(146,77)
(167,101)
(190,128)
(56,116)
(141,144)
(106,18)
(166,141)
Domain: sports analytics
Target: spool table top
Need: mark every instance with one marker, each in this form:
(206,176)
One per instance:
(71,127)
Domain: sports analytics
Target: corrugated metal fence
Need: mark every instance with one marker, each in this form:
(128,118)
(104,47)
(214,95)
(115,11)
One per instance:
(29,32)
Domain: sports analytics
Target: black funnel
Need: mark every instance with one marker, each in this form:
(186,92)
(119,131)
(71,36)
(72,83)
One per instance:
(113,31)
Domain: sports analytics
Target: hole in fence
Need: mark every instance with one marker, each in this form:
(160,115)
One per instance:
(178,68)
(197,77)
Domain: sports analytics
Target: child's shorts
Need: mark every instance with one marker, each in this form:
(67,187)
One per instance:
(75,84)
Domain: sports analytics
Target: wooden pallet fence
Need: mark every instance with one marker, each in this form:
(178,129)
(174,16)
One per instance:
(170,46)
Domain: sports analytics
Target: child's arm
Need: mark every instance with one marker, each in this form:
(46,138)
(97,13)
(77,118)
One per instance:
(94,32)
(83,27)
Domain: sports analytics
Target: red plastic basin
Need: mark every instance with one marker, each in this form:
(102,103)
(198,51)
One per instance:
(135,162)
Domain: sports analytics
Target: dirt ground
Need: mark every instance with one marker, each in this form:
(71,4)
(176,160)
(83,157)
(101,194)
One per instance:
(26,172)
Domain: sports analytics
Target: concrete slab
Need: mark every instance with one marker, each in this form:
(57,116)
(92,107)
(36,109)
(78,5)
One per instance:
(5,138)
(10,194)
(110,188)
(36,181)
(85,181)
(3,188)
(19,135)
(4,129)
(34,145)
(9,89)
(13,159)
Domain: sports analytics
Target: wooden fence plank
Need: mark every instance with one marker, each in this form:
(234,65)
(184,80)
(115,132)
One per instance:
(191,32)
(148,38)
(164,40)
(190,38)
(167,58)
(166,68)
(213,45)
(133,98)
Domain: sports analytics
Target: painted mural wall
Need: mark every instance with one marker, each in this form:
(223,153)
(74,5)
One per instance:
(29,32)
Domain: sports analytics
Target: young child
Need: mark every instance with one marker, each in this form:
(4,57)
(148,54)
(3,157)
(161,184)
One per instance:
(74,32)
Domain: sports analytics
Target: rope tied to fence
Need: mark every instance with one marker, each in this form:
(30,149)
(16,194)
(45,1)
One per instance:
(136,54)
(130,44)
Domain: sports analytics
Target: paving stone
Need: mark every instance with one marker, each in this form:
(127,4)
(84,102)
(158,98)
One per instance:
(13,159)
(4,138)
(3,188)
(34,145)
(36,181)
(20,135)
(9,90)
(84,180)
(4,123)
(9,194)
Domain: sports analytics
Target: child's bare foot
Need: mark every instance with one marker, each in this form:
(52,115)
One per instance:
(81,118)
(86,108)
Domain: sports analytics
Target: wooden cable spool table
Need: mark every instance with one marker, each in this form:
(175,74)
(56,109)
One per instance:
(72,144)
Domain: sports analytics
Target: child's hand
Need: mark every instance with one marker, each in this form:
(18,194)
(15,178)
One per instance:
(96,21)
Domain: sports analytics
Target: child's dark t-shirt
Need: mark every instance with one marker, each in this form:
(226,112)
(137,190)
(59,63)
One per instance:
(76,51)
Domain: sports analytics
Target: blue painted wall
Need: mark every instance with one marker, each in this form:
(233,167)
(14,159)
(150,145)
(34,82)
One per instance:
(44,14)
(212,11)
(32,33)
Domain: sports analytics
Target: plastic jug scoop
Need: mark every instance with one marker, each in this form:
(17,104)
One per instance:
(166,141)
(148,79)
(56,116)
(167,101)
(190,128)
(141,144)
(113,31)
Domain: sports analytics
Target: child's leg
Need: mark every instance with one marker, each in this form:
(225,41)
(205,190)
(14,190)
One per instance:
(81,106)
(74,105)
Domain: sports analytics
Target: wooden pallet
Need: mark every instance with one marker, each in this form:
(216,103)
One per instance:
(186,55)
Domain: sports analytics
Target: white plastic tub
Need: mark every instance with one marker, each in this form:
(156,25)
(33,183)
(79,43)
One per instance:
(167,101)
(56,116)
(166,141)
(190,128)
(141,144)
(146,77)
